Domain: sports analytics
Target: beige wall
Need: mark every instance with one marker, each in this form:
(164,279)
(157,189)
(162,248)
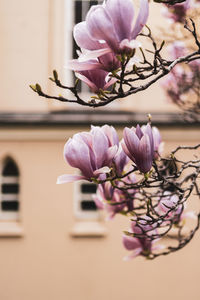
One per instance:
(47,263)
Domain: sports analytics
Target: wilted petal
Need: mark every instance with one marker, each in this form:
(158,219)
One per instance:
(69,178)
(122,14)
(141,19)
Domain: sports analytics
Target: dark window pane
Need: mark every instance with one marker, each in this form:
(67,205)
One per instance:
(10,188)
(10,205)
(88,205)
(93,2)
(10,168)
(88,188)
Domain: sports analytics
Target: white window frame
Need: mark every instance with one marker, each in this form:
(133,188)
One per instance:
(78,198)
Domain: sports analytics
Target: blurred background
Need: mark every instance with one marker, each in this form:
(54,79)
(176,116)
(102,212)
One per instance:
(54,243)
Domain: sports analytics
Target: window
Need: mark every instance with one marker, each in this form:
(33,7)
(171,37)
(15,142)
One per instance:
(84,206)
(9,196)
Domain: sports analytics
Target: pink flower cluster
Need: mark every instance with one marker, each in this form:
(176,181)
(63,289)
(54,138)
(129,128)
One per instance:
(182,80)
(96,152)
(108,32)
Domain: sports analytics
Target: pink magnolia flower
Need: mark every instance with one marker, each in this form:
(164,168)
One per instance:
(94,55)
(113,23)
(96,79)
(143,244)
(105,194)
(108,197)
(139,146)
(169,205)
(90,153)
(177,12)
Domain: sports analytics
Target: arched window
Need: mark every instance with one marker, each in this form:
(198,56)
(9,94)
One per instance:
(9,197)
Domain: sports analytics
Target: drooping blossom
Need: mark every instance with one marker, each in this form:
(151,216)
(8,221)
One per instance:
(143,244)
(113,24)
(89,152)
(96,79)
(177,12)
(139,146)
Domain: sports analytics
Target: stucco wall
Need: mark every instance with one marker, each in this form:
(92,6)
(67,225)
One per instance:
(47,263)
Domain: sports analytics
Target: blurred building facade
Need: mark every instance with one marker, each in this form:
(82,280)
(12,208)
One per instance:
(53,243)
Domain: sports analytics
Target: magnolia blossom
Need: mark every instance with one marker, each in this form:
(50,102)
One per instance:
(96,79)
(177,12)
(169,206)
(108,197)
(139,146)
(94,54)
(112,22)
(90,152)
(143,244)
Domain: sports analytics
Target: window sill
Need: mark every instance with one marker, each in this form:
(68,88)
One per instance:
(11,229)
(88,229)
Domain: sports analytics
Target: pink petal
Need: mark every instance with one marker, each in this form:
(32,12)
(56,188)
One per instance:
(83,78)
(141,19)
(69,178)
(83,38)
(130,243)
(122,14)
(135,253)
(101,170)
(100,146)
(76,153)
(89,55)
(109,83)
(100,26)
(76,65)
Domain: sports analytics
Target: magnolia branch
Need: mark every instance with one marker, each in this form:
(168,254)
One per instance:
(148,71)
